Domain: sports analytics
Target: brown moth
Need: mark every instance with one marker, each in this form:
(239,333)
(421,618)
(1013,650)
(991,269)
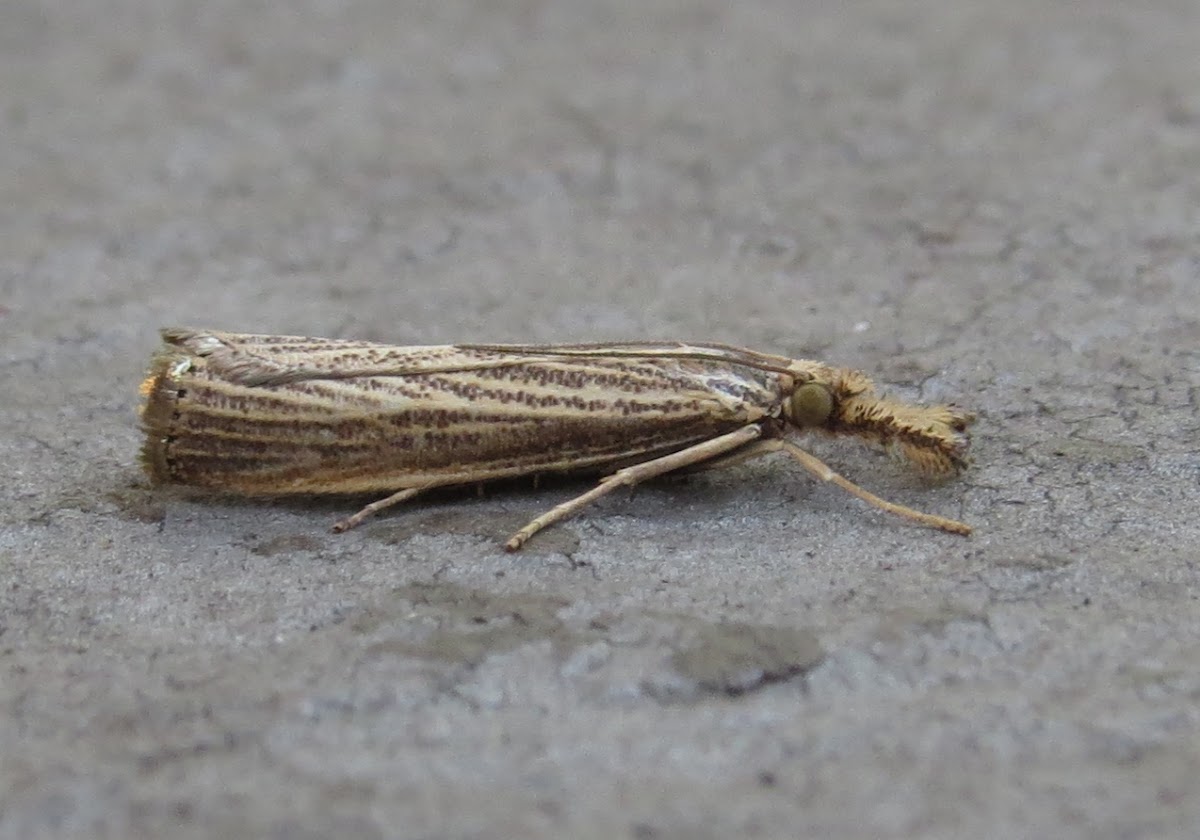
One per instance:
(271,415)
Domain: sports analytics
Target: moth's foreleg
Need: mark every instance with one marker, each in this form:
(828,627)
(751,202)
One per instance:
(817,467)
(394,499)
(629,476)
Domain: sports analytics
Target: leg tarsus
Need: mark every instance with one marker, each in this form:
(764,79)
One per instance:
(343,525)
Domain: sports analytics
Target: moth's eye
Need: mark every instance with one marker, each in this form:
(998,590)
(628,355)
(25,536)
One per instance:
(811,405)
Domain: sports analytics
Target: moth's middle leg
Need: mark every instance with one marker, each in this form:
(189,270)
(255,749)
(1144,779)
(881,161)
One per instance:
(629,476)
(752,450)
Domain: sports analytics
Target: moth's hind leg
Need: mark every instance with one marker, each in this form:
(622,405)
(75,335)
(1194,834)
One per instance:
(629,476)
(396,498)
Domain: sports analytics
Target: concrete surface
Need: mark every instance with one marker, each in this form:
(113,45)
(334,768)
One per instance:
(996,203)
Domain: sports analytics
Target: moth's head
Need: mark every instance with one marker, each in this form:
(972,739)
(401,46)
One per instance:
(811,406)
(821,394)
(843,402)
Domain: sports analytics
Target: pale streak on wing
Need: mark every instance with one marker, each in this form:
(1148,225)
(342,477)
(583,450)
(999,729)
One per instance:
(280,359)
(277,359)
(704,351)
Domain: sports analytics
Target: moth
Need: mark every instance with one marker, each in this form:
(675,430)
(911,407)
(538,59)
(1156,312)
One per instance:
(274,415)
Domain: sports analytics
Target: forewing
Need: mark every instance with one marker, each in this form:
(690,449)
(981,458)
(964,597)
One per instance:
(272,414)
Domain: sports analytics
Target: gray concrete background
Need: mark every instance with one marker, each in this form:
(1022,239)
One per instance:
(995,203)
